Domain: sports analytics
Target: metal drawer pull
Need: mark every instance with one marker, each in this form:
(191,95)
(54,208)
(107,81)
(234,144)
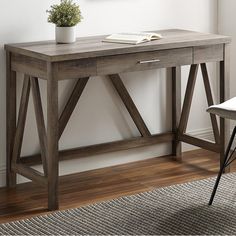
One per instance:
(149,61)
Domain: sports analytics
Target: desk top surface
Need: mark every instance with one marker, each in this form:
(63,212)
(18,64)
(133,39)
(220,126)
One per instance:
(87,47)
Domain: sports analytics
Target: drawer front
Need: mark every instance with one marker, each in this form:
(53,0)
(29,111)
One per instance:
(208,53)
(144,61)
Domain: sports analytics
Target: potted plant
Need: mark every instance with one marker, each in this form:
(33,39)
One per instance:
(65,16)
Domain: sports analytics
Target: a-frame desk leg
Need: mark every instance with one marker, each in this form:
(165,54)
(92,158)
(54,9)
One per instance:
(52,137)
(10,118)
(176,110)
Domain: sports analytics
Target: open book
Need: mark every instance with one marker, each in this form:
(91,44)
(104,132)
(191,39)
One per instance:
(132,38)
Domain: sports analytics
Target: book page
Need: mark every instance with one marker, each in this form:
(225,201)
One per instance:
(132,38)
(126,37)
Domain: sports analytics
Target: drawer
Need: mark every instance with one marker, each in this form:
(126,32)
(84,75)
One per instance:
(144,61)
(209,53)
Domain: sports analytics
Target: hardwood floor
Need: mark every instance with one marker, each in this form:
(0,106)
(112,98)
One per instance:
(79,189)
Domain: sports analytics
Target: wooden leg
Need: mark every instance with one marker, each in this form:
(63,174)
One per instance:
(182,136)
(71,104)
(21,121)
(224,95)
(188,99)
(10,118)
(40,121)
(210,102)
(129,104)
(52,137)
(176,111)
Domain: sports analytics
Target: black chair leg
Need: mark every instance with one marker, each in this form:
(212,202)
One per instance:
(223,166)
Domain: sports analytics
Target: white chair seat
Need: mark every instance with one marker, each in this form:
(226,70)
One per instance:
(226,109)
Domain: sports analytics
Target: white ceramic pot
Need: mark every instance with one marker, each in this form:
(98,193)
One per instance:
(66,34)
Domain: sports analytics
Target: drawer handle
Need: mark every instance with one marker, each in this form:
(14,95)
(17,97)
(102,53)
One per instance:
(149,61)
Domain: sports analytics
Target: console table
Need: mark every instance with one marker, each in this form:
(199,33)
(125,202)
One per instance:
(89,56)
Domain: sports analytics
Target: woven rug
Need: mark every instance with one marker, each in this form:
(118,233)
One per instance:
(175,210)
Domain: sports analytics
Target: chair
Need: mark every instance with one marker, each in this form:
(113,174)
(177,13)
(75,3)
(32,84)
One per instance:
(225,110)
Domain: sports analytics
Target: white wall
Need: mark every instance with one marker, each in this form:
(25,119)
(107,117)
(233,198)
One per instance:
(226,21)
(100,117)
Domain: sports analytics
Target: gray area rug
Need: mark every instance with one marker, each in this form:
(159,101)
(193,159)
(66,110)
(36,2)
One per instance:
(175,210)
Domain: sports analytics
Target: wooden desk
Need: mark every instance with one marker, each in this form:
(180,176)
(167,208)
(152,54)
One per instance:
(91,57)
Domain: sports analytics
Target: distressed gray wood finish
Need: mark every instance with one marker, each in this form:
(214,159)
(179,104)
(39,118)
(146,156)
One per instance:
(90,56)
(29,65)
(104,148)
(129,104)
(188,99)
(205,54)
(21,120)
(131,61)
(94,47)
(10,118)
(210,101)
(176,110)
(200,143)
(40,121)
(52,137)
(30,173)
(70,105)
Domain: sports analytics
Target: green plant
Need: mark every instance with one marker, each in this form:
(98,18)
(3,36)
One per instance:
(65,14)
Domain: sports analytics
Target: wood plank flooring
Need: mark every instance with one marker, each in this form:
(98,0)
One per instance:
(79,189)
